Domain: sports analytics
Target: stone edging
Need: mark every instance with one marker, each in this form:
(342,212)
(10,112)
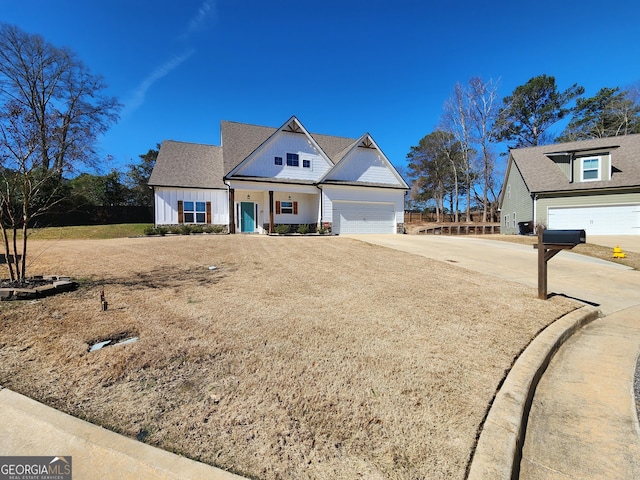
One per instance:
(499,450)
(58,285)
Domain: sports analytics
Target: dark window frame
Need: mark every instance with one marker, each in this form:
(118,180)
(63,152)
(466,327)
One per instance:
(293,160)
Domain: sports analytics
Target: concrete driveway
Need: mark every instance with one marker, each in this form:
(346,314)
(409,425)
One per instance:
(606,285)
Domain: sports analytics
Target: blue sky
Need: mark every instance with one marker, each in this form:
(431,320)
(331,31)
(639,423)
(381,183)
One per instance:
(343,67)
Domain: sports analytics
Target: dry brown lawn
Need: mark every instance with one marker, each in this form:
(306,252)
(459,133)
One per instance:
(299,357)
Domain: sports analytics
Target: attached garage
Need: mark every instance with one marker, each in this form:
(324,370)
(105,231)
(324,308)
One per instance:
(600,220)
(361,217)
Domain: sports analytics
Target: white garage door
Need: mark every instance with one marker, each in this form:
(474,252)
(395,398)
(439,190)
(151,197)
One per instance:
(606,220)
(355,217)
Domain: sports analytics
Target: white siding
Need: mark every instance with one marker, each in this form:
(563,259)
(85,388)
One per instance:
(262,163)
(166,201)
(364,165)
(332,193)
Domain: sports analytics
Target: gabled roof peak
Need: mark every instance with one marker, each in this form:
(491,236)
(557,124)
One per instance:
(366,141)
(293,125)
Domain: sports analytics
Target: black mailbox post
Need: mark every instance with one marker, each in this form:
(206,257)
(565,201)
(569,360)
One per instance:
(550,243)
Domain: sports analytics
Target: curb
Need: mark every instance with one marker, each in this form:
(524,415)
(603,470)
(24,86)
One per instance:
(499,448)
(31,428)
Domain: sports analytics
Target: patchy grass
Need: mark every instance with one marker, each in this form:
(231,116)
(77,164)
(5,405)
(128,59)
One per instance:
(298,357)
(123,230)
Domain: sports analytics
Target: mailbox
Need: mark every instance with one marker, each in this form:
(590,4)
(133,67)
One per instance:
(564,237)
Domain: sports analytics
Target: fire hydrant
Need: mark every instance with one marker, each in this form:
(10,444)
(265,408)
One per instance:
(618,253)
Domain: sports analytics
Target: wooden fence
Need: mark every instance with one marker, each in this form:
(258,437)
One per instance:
(460,229)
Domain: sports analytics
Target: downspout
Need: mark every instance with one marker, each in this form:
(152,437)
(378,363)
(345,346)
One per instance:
(535,211)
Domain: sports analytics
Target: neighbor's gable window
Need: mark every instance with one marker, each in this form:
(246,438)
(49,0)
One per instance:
(590,169)
(277,160)
(293,160)
(194,212)
(306,163)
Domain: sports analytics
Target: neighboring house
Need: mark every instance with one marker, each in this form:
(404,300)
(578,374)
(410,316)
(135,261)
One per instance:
(592,185)
(261,177)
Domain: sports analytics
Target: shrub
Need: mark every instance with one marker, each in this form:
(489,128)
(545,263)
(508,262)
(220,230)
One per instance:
(150,230)
(303,228)
(162,231)
(282,229)
(184,229)
(196,229)
(214,229)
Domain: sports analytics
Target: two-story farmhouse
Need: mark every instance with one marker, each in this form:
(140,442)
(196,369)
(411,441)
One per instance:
(592,185)
(261,177)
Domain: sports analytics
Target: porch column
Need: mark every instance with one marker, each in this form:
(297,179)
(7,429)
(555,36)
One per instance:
(232,211)
(271,211)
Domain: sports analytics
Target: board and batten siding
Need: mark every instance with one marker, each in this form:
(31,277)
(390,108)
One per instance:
(332,193)
(517,199)
(364,165)
(573,200)
(166,201)
(262,163)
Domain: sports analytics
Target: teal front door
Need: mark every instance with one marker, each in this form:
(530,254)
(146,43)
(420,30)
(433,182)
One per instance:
(247,220)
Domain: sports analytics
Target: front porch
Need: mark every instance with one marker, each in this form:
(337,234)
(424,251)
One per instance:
(261,208)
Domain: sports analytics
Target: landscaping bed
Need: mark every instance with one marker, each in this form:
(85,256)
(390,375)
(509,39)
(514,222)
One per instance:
(295,357)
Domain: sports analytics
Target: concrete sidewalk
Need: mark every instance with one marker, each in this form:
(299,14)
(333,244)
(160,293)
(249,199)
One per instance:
(31,428)
(583,422)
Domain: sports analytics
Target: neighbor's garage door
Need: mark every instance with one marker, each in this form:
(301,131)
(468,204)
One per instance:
(355,217)
(606,220)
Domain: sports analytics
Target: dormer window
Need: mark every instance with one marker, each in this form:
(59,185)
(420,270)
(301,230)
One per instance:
(590,169)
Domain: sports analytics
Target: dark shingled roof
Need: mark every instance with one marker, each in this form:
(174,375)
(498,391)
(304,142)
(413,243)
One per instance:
(541,174)
(189,165)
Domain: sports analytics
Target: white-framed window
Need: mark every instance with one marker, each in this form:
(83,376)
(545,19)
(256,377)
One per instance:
(509,192)
(286,207)
(590,169)
(514,219)
(277,160)
(293,160)
(306,163)
(506,221)
(195,212)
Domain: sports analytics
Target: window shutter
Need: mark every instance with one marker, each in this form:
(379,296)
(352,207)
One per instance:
(209,213)
(295,208)
(277,207)
(180,211)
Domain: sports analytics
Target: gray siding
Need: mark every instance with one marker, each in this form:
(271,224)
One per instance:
(573,200)
(516,199)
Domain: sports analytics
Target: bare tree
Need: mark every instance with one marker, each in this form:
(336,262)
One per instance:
(483,100)
(456,120)
(51,113)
